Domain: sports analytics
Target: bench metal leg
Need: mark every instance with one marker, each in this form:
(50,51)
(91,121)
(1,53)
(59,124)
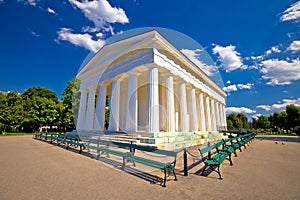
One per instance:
(123,165)
(230,160)
(220,177)
(98,154)
(175,179)
(80,149)
(164,184)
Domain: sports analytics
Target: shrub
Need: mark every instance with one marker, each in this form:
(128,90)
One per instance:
(297,130)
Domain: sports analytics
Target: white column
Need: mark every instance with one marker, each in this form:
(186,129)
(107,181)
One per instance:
(82,110)
(201,112)
(217,114)
(224,115)
(90,112)
(213,114)
(183,107)
(221,115)
(193,111)
(170,105)
(114,106)
(153,101)
(208,116)
(100,108)
(132,106)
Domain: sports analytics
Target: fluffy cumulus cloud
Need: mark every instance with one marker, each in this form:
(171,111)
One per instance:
(230,59)
(281,105)
(292,13)
(235,87)
(194,56)
(101,13)
(239,110)
(280,72)
(295,46)
(82,40)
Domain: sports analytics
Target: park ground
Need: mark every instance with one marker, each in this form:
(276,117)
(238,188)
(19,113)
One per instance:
(30,169)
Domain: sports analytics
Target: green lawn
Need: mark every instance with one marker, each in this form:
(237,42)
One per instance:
(15,134)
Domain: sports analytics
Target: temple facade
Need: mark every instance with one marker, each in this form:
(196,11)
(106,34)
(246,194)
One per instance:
(153,88)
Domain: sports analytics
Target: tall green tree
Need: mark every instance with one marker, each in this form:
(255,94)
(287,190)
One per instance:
(293,115)
(70,105)
(263,122)
(40,108)
(243,120)
(11,110)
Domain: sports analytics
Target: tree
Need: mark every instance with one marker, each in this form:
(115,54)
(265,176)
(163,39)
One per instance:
(263,122)
(40,92)
(40,108)
(239,121)
(70,105)
(293,115)
(283,120)
(243,120)
(11,110)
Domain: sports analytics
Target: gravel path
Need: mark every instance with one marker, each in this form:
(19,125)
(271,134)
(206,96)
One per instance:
(31,169)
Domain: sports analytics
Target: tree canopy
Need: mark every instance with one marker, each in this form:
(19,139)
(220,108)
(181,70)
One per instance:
(39,107)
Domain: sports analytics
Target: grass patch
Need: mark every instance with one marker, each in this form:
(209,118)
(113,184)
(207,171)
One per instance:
(15,134)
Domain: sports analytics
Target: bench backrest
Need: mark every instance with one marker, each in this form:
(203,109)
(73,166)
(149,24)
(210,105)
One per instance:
(210,148)
(132,146)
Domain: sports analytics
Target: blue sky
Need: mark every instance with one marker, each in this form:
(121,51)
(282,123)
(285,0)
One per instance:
(254,44)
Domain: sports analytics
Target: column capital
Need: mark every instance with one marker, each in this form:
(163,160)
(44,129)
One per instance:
(104,83)
(84,90)
(133,72)
(92,87)
(119,77)
(151,66)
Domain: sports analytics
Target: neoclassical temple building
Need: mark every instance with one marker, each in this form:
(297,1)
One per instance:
(153,88)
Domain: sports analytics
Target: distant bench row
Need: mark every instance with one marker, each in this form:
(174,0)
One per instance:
(223,150)
(108,147)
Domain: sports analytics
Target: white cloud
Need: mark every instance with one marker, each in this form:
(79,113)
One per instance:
(265,107)
(295,46)
(280,106)
(230,88)
(230,59)
(194,55)
(239,110)
(35,34)
(228,82)
(82,40)
(49,10)
(257,57)
(274,49)
(245,86)
(101,13)
(280,72)
(292,13)
(30,2)
(235,87)
(256,116)
(1,1)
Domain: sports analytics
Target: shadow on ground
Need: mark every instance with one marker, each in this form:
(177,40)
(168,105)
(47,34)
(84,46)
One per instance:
(279,138)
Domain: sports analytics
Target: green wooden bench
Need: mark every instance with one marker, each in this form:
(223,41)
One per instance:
(216,154)
(103,146)
(167,167)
